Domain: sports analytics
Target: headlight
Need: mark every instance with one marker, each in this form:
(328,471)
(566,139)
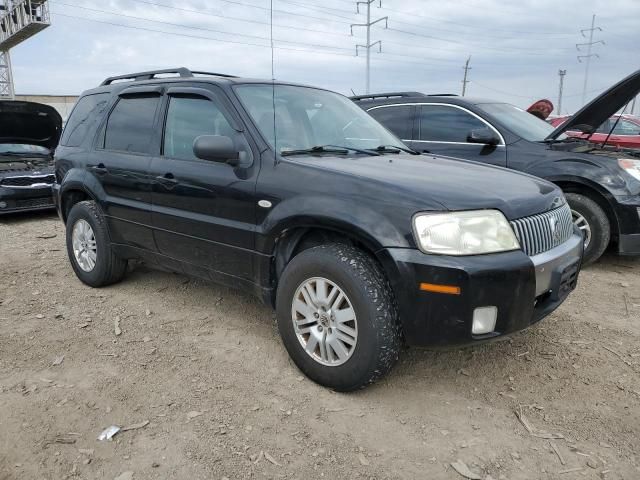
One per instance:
(464,233)
(632,167)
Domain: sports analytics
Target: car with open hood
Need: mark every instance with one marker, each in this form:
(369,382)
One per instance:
(29,133)
(618,130)
(601,184)
(296,195)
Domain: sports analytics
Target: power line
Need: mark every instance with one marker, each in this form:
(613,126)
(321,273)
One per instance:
(256,37)
(588,56)
(466,25)
(199,37)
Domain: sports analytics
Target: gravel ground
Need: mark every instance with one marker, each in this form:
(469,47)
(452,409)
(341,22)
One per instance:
(204,366)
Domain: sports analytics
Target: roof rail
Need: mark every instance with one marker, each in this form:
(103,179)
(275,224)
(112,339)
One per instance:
(182,72)
(387,95)
(443,95)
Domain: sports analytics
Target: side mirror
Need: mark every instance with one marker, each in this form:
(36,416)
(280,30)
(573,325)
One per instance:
(485,136)
(216,148)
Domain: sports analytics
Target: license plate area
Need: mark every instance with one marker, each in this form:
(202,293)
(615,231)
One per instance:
(565,280)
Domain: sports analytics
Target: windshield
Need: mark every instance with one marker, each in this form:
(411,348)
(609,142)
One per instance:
(22,149)
(521,123)
(308,117)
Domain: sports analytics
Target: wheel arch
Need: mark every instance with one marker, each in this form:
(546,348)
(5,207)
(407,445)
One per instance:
(595,193)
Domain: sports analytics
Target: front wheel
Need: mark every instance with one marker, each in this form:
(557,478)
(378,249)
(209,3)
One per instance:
(89,248)
(594,224)
(337,317)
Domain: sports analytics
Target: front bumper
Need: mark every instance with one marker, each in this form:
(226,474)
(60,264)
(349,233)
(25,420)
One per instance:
(25,199)
(523,289)
(628,213)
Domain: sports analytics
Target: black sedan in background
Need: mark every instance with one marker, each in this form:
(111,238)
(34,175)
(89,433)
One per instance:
(28,134)
(602,184)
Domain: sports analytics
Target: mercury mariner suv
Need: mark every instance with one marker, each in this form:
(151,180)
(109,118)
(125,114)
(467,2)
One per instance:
(298,196)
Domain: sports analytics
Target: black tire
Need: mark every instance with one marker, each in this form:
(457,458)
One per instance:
(108,267)
(378,333)
(598,223)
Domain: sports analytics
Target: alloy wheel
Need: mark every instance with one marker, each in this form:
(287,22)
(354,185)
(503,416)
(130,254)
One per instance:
(85,249)
(581,222)
(324,321)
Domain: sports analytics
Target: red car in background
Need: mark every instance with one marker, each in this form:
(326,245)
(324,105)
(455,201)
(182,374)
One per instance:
(625,134)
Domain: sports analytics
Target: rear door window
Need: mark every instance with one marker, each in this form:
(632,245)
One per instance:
(84,113)
(442,123)
(398,119)
(187,119)
(130,125)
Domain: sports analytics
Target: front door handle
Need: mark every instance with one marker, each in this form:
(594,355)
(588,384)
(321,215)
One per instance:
(168,180)
(100,169)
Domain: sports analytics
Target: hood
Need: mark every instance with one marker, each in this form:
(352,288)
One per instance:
(29,123)
(425,181)
(594,113)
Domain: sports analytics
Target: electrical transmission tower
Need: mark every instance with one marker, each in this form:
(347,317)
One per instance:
(466,72)
(19,20)
(368,26)
(561,74)
(587,57)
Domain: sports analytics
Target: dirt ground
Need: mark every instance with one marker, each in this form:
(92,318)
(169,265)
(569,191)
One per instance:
(204,366)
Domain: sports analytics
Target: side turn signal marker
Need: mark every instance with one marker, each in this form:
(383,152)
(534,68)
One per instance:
(432,287)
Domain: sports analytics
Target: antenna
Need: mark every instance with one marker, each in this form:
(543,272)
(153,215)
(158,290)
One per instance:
(273,81)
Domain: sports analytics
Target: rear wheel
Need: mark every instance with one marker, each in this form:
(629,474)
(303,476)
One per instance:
(592,221)
(337,317)
(89,248)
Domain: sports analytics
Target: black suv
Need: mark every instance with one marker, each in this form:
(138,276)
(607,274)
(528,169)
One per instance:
(296,195)
(602,185)
(28,134)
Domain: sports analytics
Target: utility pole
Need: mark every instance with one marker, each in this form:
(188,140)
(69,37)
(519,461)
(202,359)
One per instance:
(561,74)
(588,56)
(368,26)
(466,71)
(633,105)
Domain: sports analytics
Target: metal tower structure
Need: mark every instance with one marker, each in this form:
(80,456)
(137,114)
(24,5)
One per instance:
(561,74)
(19,20)
(466,74)
(369,45)
(589,55)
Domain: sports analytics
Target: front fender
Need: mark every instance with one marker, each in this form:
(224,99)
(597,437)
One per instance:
(370,226)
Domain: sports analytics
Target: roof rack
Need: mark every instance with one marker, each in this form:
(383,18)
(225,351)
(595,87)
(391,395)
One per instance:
(388,95)
(181,72)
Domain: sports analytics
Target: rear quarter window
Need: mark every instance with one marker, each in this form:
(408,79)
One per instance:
(130,125)
(82,117)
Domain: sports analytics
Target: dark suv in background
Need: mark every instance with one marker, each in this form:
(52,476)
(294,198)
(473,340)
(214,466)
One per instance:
(296,195)
(602,185)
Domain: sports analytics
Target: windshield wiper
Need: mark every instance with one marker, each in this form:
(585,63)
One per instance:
(23,154)
(335,149)
(394,149)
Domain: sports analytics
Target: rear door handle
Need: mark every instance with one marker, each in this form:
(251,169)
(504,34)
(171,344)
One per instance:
(168,180)
(100,169)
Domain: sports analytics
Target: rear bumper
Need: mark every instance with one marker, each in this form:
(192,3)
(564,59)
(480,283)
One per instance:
(523,289)
(25,199)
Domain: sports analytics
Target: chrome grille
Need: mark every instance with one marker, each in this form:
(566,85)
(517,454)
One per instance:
(27,180)
(542,232)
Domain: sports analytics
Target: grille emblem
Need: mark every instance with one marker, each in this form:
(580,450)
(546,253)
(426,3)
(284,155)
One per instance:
(555,232)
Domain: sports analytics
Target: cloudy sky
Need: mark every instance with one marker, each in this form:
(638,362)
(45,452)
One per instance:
(516,47)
